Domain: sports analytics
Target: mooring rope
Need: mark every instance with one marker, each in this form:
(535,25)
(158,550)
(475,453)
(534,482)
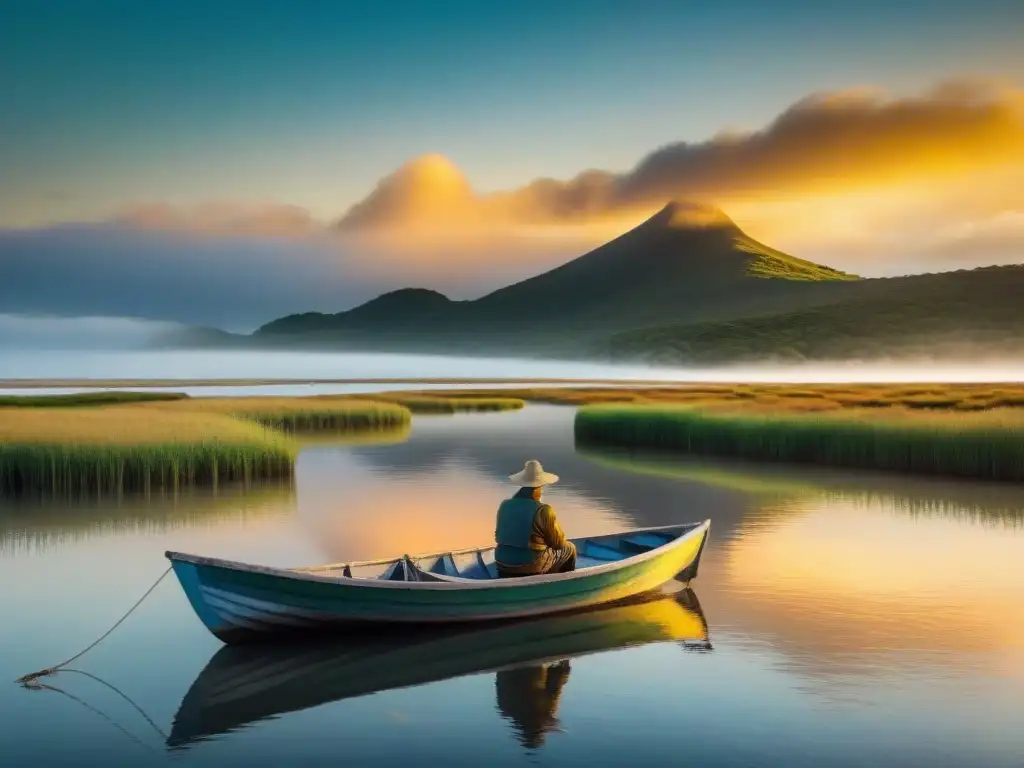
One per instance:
(30,679)
(91,708)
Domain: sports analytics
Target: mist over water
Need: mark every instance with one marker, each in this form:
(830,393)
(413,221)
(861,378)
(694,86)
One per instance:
(91,361)
(29,333)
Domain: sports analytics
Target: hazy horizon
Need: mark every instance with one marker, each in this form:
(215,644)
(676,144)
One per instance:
(125,363)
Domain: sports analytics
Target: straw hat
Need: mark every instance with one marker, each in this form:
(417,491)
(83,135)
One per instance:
(533,476)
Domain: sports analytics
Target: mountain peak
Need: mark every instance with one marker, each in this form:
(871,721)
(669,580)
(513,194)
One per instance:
(688,214)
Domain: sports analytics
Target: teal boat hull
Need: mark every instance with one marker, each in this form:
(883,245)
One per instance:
(241,602)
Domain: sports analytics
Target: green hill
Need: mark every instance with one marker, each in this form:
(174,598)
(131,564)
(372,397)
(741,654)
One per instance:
(686,263)
(686,285)
(960,314)
(396,309)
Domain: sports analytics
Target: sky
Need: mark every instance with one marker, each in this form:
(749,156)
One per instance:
(849,133)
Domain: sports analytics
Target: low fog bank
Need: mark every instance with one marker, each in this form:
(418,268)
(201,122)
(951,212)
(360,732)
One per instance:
(237,283)
(108,363)
(28,334)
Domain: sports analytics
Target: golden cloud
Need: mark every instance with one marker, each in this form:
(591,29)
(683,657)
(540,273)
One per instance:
(848,178)
(846,140)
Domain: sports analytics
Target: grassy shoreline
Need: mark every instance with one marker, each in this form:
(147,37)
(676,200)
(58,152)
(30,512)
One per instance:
(987,446)
(111,442)
(108,450)
(300,414)
(119,447)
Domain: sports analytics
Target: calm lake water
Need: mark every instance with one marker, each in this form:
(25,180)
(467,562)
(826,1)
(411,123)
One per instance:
(840,619)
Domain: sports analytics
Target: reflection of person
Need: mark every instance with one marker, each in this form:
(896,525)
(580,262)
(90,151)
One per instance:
(528,696)
(528,536)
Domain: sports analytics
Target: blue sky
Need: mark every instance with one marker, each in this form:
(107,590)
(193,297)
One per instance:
(108,103)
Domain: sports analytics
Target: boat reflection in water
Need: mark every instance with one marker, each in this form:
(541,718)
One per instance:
(242,685)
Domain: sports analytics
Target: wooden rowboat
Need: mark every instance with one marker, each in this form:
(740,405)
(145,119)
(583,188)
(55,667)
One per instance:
(244,685)
(239,602)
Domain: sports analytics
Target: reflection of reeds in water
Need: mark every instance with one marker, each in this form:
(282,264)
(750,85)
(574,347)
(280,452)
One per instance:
(30,524)
(976,502)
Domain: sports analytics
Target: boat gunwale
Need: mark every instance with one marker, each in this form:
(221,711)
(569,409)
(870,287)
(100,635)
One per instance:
(452,582)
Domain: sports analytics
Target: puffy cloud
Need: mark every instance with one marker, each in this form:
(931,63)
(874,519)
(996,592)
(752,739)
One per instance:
(825,142)
(855,179)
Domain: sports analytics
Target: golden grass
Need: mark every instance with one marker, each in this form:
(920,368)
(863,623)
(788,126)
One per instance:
(113,448)
(122,425)
(782,397)
(300,413)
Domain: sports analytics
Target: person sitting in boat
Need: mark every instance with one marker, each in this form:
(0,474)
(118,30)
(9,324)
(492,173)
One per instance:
(528,536)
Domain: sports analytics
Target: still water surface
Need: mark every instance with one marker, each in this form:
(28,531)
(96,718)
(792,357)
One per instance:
(839,618)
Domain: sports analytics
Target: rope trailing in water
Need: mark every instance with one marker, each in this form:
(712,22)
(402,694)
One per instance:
(91,708)
(29,680)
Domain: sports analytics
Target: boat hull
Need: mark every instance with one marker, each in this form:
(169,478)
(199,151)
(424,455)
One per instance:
(241,603)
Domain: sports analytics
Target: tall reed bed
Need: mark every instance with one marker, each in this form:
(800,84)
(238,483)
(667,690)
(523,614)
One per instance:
(987,446)
(299,414)
(113,449)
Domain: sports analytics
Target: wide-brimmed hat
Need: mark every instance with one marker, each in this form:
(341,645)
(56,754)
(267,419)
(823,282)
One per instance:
(533,476)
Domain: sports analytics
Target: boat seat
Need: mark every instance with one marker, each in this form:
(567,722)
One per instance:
(601,552)
(583,561)
(643,542)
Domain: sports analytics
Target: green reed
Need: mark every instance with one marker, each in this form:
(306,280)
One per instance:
(70,470)
(335,417)
(948,444)
(80,399)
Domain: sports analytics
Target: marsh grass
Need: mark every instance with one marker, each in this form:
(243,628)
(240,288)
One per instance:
(986,445)
(112,449)
(302,414)
(80,399)
(781,397)
(425,404)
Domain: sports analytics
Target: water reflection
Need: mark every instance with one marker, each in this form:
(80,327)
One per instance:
(859,618)
(528,698)
(530,659)
(33,524)
(857,575)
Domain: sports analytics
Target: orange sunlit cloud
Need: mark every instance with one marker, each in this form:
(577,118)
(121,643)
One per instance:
(837,175)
